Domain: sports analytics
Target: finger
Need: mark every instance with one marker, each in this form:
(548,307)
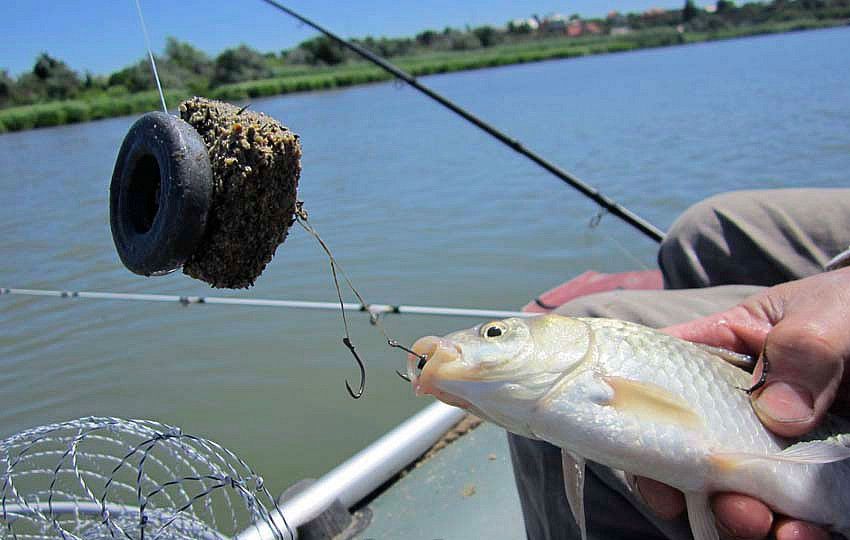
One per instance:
(789,529)
(804,372)
(666,502)
(740,329)
(741,517)
(806,351)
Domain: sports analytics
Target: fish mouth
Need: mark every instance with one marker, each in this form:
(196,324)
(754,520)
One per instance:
(435,359)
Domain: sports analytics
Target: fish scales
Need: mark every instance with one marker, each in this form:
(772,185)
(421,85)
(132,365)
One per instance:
(686,370)
(638,400)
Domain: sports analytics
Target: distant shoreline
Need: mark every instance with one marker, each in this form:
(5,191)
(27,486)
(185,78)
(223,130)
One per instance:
(76,111)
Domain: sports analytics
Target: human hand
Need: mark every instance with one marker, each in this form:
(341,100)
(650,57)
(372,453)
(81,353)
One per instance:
(801,327)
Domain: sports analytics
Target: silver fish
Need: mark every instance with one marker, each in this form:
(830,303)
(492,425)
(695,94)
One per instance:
(638,400)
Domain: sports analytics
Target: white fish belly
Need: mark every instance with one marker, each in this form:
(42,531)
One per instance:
(714,417)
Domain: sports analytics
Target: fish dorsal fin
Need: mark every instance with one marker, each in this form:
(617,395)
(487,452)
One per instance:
(807,452)
(700,517)
(651,403)
(743,361)
(574,466)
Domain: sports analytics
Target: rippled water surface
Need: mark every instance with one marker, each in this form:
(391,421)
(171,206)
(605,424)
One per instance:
(419,207)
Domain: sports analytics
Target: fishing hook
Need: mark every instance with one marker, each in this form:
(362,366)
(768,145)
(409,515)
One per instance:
(423,358)
(352,393)
(763,377)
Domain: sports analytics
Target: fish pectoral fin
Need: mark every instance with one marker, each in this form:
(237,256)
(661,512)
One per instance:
(815,452)
(651,403)
(743,361)
(574,467)
(701,517)
(809,452)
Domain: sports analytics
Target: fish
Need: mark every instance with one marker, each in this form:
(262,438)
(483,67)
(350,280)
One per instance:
(638,400)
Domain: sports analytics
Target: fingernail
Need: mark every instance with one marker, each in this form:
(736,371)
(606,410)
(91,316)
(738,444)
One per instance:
(785,403)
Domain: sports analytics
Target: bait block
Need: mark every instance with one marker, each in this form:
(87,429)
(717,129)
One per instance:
(214,191)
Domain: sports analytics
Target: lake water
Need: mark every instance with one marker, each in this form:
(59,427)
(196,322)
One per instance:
(419,207)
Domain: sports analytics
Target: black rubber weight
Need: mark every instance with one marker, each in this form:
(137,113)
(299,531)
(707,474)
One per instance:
(160,194)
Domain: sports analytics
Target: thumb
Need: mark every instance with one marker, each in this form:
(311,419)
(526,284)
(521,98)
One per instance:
(804,368)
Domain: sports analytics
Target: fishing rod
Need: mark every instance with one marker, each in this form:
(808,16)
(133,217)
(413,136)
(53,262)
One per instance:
(374,310)
(639,223)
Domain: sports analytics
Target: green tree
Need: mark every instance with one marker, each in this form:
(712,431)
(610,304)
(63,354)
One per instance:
(135,78)
(519,28)
(689,11)
(189,66)
(323,50)
(724,6)
(487,35)
(426,38)
(238,65)
(56,79)
(462,41)
(188,58)
(7,88)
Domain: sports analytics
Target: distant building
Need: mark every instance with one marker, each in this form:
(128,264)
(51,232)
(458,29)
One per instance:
(620,30)
(575,29)
(654,12)
(615,18)
(527,24)
(593,28)
(555,23)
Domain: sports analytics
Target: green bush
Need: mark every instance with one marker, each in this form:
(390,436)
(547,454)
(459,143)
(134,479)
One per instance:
(108,108)
(18,118)
(117,90)
(77,111)
(51,114)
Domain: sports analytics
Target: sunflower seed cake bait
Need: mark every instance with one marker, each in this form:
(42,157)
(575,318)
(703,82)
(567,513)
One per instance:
(256,164)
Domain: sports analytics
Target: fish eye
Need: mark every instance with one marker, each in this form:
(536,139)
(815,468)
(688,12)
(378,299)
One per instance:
(493,330)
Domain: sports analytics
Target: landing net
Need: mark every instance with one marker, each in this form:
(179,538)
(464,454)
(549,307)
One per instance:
(108,478)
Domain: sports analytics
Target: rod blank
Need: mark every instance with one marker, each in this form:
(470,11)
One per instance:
(639,223)
(373,309)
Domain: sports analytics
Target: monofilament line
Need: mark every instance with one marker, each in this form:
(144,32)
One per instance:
(301,218)
(150,54)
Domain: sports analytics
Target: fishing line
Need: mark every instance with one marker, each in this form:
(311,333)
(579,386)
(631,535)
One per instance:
(642,225)
(594,225)
(374,316)
(150,54)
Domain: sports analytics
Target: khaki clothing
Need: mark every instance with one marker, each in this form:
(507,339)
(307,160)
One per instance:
(719,252)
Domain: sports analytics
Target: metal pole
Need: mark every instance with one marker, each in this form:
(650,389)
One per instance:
(364,472)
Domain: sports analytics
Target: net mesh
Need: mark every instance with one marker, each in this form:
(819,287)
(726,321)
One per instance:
(104,478)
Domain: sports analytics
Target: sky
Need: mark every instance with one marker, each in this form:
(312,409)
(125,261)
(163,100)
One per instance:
(102,36)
